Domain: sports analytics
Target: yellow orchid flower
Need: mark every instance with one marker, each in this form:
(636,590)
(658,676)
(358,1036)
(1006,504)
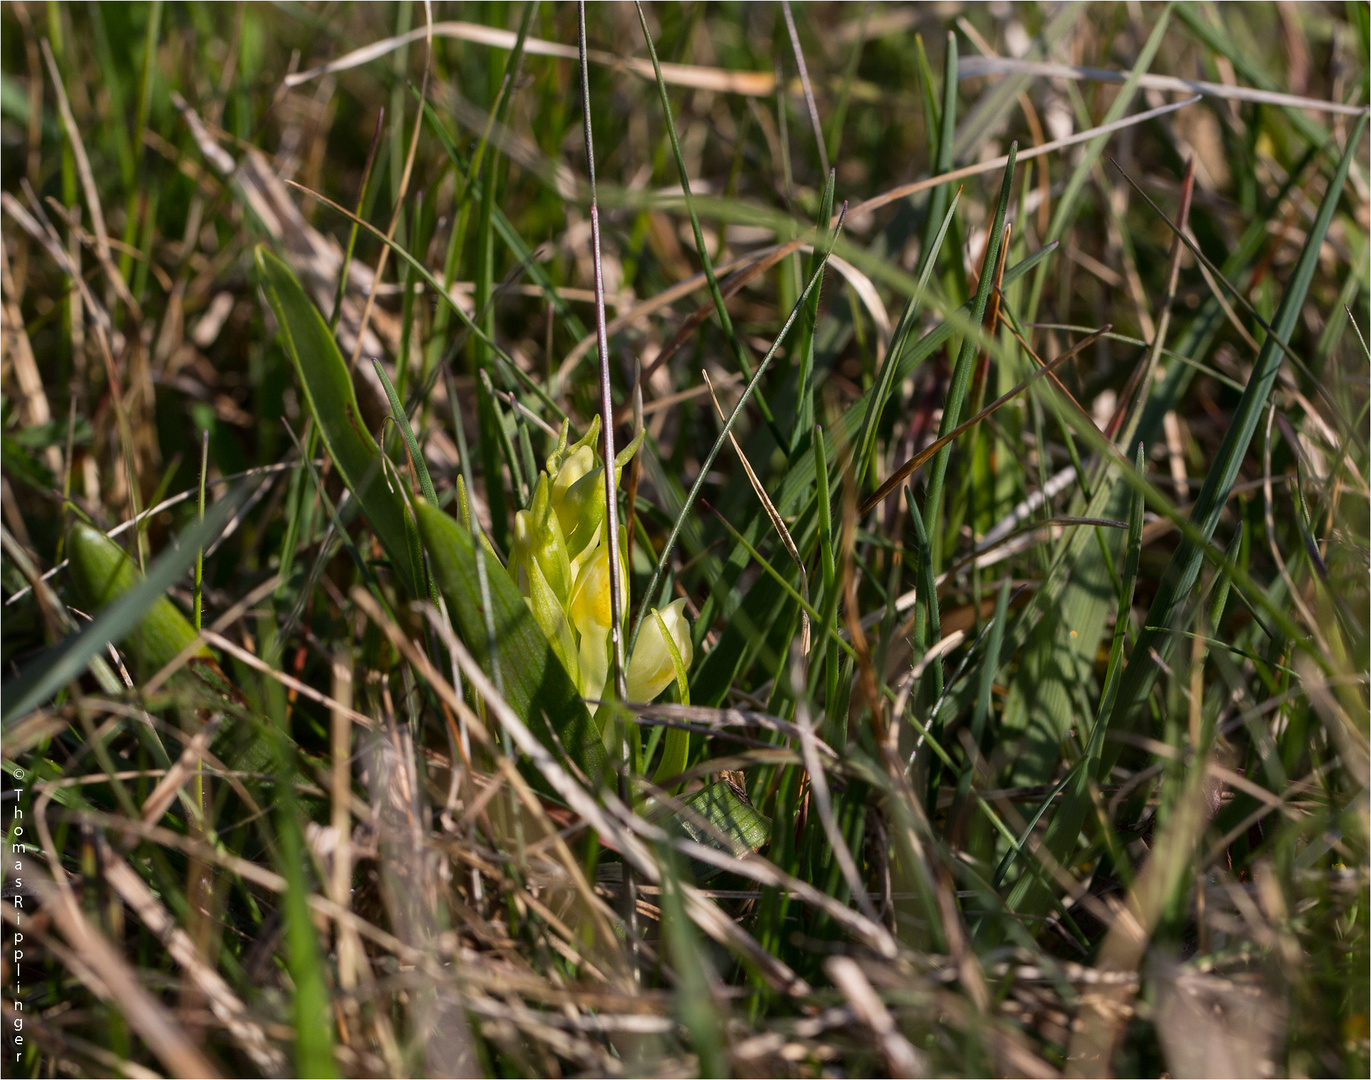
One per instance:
(663,653)
(560,561)
(589,612)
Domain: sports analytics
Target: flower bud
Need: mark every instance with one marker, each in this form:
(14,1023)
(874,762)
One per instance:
(652,667)
(548,545)
(581,508)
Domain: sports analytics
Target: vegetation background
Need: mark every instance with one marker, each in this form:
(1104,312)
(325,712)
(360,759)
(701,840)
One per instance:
(1045,753)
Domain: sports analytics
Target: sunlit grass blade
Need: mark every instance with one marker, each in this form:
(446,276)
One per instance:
(735,343)
(1184,567)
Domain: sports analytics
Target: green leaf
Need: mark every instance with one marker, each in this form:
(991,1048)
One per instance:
(715,814)
(104,573)
(416,455)
(536,684)
(328,389)
(748,621)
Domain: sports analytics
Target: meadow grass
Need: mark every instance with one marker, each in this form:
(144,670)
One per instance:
(989,390)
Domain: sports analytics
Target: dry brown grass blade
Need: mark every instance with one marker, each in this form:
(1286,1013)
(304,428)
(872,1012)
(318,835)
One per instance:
(1135,394)
(473,725)
(750,83)
(995,65)
(289,681)
(88,188)
(670,295)
(992,315)
(719,925)
(900,475)
(156,804)
(601,915)
(110,978)
(314,257)
(724,718)
(822,802)
(100,320)
(762,262)
(253,873)
(997,164)
(812,108)
(1105,1011)
(408,171)
(350,949)
(900,1055)
(32,400)
(227,1007)
(847,570)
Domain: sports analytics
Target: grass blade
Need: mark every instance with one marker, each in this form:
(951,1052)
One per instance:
(1184,567)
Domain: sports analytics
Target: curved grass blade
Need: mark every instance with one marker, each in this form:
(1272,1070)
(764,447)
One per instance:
(900,475)
(961,371)
(657,571)
(866,441)
(416,456)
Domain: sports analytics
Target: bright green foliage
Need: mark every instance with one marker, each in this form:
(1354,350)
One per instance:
(1039,750)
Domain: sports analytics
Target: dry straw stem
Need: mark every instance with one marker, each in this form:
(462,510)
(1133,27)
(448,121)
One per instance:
(777,523)
(997,164)
(108,974)
(901,474)
(755,263)
(752,83)
(1002,65)
(404,187)
(900,1056)
(227,1007)
(83,170)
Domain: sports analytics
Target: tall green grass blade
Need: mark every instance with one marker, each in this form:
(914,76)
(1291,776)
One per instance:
(1067,204)
(880,396)
(1184,568)
(695,1003)
(506,361)
(416,454)
(723,436)
(946,117)
(804,413)
(753,615)
(927,624)
(962,369)
(735,343)
(1029,894)
(826,626)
